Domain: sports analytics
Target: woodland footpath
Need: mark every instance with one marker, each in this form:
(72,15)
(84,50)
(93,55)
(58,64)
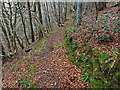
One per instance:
(70,56)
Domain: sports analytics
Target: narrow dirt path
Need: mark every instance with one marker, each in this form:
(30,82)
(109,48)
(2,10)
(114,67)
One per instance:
(55,68)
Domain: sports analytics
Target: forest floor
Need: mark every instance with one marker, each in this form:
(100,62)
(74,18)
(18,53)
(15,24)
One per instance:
(45,65)
(48,68)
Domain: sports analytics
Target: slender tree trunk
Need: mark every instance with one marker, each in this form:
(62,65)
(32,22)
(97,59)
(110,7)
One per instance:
(62,12)
(59,23)
(70,8)
(104,5)
(6,36)
(96,10)
(39,11)
(45,17)
(14,32)
(55,12)
(8,29)
(48,17)
(79,13)
(11,26)
(24,27)
(6,21)
(42,33)
(16,36)
(52,14)
(65,19)
(85,7)
(30,18)
(91,6)
(75,6)
(2,53)
(119,33)
(101,6)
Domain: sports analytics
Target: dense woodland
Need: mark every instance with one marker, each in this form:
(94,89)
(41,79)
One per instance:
(60,44)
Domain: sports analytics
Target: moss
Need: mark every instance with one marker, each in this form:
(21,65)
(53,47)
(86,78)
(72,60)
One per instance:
(90,14)
(57,46)
(41,46)
(5,65)
(54,31)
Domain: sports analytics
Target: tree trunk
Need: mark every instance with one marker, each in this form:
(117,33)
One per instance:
(6,36)
(59,23)
(101,6)
(8,29)
(79,13)
(30,18)
(11,26)
(55,12)
(2,53)
(5,19)
(91,5)
(14,27)
(119,33)
(45,18)
(48,17)
(24,27)
(39,11)
(96,10)
(65,19)
(85,7)
(42,33)
(75,6)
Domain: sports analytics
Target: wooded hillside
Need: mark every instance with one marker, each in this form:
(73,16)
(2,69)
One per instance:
(60,44)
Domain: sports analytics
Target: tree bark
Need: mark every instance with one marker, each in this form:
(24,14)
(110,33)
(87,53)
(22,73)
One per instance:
(39,11)
(42,34)
(45,17)
(16,36)
(6,36)
(55,12)
(24,27)
(30,19)
(79,13)
(101,6)
(65,19)
(96,10)
(5,19)
(59,23)
(75,6)
(119,34)
(48,17)
(11,26)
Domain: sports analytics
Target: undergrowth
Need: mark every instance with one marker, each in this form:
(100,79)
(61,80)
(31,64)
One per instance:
(101,70)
